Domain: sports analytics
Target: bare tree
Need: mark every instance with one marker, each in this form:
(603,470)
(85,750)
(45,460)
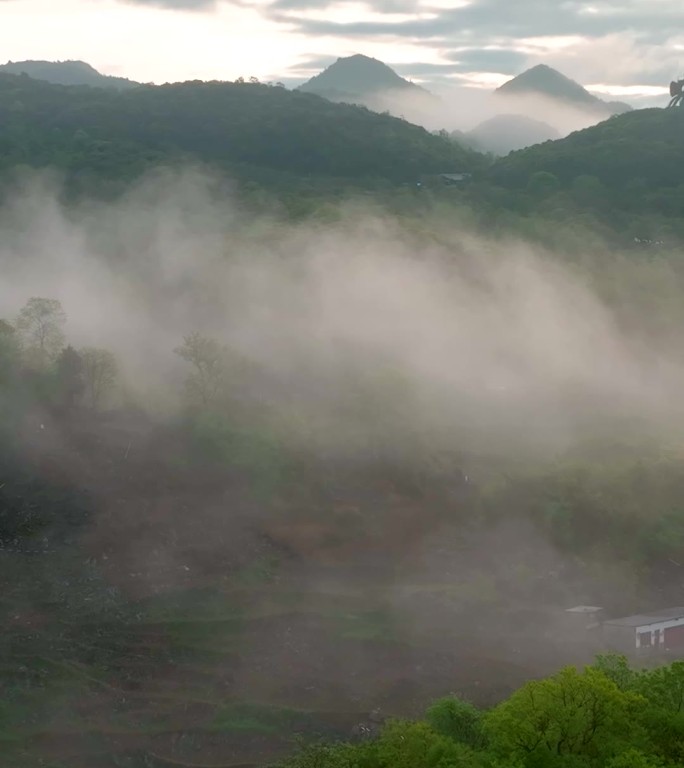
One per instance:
(100,372)
(39,328)
(208,360)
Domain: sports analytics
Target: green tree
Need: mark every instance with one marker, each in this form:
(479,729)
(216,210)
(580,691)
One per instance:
(457,719)
(663,688)
(570,715)
(100,372)
(616,668)
(40,326)
(417,745)
(633,758)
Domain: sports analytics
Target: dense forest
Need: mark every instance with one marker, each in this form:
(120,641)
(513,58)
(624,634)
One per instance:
(118,134)
(304,453)
(619,179)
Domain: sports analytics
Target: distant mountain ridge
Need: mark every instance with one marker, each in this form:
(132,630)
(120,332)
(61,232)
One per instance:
(66,73)
(543,80)
(505,133)
(360,79)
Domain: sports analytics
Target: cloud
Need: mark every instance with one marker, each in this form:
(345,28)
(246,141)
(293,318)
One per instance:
(637,39)
(177,5)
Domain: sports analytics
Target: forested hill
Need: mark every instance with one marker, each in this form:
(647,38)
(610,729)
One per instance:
(644,147)
(65,73)
(228,125)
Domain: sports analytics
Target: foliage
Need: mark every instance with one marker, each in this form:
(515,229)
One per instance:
(116,134)
(571,720)
(633,758)
(631,161)
(664,687)
(577,714)
(616,668)
(39,327)
(417,745)
(457,719)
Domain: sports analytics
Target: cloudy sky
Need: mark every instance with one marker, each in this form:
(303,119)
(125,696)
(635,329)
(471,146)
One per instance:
(627,48)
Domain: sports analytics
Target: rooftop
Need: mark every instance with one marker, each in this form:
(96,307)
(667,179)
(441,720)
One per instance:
(584,609)
(644,619)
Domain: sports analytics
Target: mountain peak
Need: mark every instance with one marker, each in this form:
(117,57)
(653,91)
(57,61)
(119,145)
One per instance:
(357,75)
(543,80)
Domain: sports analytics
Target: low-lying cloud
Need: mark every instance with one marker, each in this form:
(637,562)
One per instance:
(350,329)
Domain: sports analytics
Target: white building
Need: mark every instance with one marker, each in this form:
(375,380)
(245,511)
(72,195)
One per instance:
(661,630)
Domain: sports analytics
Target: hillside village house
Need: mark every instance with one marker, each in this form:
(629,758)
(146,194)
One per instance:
(661,630)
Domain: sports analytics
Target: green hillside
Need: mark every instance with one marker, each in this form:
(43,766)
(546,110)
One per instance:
(232,126)
(629,162)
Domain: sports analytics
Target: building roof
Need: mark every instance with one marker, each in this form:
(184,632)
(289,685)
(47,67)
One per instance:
(644,619)
(584,609)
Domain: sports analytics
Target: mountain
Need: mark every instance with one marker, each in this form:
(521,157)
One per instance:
(65,73)
(357,76)
(362,80)
(549,83)
(244,129)
(505,133)
(637,155)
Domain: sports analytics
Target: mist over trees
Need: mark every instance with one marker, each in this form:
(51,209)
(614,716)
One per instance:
(301,440)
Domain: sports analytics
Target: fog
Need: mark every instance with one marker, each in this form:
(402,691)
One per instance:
(378,353)
(460,108)
(351,328)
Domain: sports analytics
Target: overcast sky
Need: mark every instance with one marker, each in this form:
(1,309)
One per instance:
(620,47)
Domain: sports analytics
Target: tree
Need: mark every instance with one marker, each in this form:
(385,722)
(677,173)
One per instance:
(572,714)
(457,719)
(100,372)
(633,758)
(663,688)
(616,668)
(39,327)
(208,360)
(417,745)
